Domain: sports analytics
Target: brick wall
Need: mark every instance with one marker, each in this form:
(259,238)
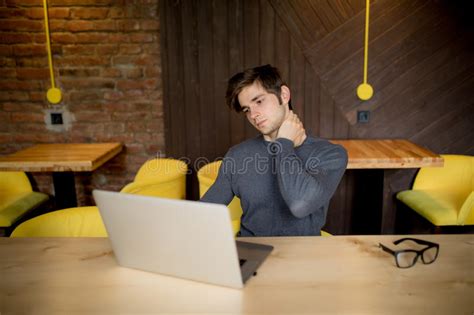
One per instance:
(106,55)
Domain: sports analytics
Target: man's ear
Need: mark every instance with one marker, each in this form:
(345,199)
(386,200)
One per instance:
(285,94)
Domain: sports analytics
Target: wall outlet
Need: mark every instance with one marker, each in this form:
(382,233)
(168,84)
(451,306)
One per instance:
(363,116)
(56,118)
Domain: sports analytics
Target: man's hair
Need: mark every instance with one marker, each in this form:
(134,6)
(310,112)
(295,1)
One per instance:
(267,76)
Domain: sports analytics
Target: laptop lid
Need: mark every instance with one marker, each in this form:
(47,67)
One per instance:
(186,239)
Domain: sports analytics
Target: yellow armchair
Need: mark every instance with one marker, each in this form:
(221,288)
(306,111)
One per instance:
(72,222)
(444,195)
(160,178)
(17,197)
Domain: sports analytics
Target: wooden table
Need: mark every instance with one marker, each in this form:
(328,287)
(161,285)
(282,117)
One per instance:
(324,275)
(388,156)
(63,160)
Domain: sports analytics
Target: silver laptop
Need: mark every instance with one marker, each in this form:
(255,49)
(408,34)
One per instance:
(186,239)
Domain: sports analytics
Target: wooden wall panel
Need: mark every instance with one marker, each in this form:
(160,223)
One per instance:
(420,64)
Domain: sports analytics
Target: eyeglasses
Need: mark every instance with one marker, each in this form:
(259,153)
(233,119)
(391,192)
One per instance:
(406,258)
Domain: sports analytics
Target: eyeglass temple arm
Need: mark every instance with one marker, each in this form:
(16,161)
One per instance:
(386,249)
(418,241)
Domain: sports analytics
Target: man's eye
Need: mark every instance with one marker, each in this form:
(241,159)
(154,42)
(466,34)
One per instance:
(245,110)
(260,101)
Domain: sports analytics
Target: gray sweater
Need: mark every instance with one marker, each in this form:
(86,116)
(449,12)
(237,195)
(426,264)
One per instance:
(283,190)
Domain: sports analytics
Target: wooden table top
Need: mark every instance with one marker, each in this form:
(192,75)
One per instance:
(326,275)
(372,154)
(61,157)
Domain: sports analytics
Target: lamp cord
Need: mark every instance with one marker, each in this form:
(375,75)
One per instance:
(48,43)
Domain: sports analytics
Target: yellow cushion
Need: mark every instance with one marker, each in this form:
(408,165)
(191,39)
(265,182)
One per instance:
(325,234)
(72,222)
(14,183)
(164,170)
(466,215)
(207,175)
(439,207)
(14,206)
(174,188)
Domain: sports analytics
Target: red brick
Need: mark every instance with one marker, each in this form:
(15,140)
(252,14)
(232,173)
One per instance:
(19,85)
(92,38)
(90,105)
(111,73)
(152,72)
(39,38)
(79,49)
(80,26)
(116,13)
(33,62)
(69,3)
(57,26)
(90,13)
(32,73)
(33,127)
(15,38)
(79,72)
(34,13)
(58,13)
(8,73)
(91,116)
(152,48)
(82,61)
(6,50)
(21,25)
(14,96)
(136,84)
(11,12)
(93,83)
(114,128)
(29,50)
(25,116)
(128,25)
(118,38)
(32,3)
(130,49)
(106,49)
(64,38)
(105,26)
(133,73)
(128,116)
(37,96)
(76,96)
(7,62)
(150,25)
(113,95)
(141,38)
(22,107)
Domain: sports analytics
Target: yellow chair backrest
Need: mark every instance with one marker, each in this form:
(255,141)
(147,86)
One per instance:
(160,178)
(457,175)
(14,183)
(455,179)
(72,222)
(207,175)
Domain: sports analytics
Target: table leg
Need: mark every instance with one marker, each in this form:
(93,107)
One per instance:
(388,208)
(64,190)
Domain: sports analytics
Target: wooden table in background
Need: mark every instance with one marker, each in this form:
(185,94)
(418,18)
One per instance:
(388,156)
(63,159)
(311,275)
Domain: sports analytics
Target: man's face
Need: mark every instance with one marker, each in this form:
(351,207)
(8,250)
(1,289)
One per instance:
(263,109)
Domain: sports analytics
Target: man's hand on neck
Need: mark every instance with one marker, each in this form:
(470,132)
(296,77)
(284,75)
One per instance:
(292,129)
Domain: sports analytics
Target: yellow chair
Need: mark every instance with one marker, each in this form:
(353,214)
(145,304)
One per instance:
(444,195)
(72,222)
(161,178)
(17,197)
(207,175)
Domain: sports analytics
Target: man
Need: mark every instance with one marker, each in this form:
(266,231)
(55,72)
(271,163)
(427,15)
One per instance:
(284,178)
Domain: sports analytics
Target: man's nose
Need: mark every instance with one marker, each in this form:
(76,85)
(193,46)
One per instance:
(253,113)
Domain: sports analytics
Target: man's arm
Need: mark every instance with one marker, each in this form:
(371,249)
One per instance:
(308,188)
(221,191)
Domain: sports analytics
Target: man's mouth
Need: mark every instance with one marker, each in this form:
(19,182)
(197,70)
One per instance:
(260,123)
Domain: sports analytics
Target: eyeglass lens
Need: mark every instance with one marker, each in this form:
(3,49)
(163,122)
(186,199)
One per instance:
(406,259)
(429,255)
